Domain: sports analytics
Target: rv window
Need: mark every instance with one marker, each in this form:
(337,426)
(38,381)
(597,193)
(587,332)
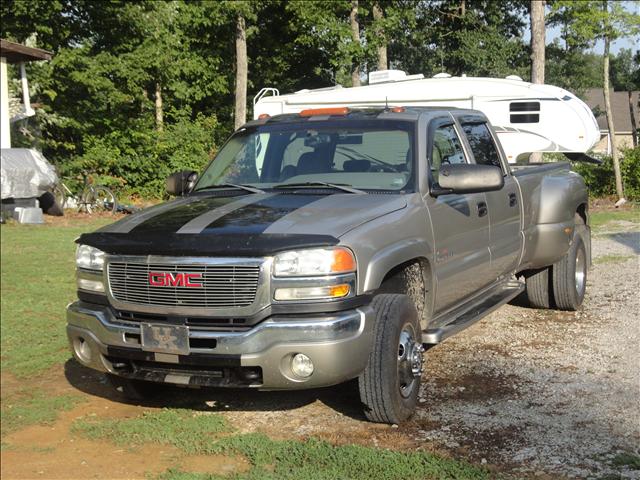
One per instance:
(524,107)
(525,118)
(482,145)
(447,149)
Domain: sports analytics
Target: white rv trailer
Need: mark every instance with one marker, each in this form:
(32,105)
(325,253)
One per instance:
(526,117)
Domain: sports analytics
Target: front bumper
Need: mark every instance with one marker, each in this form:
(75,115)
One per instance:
(338,345)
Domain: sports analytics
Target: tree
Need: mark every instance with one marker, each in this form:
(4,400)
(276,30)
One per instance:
(355,35)
(589,22)
(537,41)
(378,18)
(241,73)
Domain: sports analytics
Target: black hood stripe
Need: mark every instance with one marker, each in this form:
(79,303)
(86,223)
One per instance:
(256,217)
(198,224)
(129,223)
(171,220)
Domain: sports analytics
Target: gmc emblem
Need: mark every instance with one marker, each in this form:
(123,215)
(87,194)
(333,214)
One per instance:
(168,279)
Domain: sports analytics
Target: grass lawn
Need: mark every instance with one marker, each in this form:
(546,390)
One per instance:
(611,218)
(311,459)
(38,281)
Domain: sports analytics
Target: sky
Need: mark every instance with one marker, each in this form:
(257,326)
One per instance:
(628,42)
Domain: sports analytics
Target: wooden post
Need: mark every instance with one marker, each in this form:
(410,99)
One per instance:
(5,133)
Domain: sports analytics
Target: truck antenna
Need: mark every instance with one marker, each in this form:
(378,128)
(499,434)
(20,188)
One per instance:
(386,103)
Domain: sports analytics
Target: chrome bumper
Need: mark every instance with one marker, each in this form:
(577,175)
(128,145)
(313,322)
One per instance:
(337,343)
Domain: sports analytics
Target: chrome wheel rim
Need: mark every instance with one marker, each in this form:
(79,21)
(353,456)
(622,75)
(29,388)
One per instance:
(581,271)
(409,361)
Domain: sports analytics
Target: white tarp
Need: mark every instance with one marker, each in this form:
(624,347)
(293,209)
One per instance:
(25,173)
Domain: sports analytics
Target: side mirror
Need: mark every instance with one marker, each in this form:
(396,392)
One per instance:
(468,178)
(182,182)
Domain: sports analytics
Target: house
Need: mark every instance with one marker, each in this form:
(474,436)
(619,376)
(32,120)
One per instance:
(625,108)
(11,52)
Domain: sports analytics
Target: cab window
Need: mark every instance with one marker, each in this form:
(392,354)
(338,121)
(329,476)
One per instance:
(447,149)
(481,143)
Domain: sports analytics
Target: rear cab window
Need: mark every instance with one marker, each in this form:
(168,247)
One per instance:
(483,147)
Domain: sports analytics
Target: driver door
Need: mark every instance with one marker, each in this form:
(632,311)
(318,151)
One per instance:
(460,224)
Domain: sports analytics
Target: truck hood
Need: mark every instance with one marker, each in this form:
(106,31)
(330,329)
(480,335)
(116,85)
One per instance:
(245,224)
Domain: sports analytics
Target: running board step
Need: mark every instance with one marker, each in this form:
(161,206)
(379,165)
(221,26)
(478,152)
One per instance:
(477,309)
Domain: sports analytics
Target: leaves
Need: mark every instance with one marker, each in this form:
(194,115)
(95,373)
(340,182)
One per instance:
(97,94)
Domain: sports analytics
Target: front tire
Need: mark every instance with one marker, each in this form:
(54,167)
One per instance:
(390,383)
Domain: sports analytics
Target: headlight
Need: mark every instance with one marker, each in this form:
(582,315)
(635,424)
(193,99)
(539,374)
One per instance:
(89,258)
(312,262)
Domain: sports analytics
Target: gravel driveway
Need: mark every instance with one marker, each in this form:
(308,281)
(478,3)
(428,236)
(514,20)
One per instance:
(541,391)
(531,393)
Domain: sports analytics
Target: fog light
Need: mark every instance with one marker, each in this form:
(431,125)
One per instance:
(301,365)
(90,285)
(82,349)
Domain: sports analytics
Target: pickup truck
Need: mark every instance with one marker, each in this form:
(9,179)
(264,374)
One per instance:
(325,246)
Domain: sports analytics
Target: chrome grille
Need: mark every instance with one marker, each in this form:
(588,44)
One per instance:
(222,285)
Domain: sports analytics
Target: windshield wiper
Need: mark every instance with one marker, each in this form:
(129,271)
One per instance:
(246,188)
(337,186)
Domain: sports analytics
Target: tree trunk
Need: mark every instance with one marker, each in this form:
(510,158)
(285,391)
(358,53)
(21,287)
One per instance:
(355,35)
(463,7)
(159,112)
(607,106)
(537,41)
(537,53)
(241,73)
(634,124)
(382,48)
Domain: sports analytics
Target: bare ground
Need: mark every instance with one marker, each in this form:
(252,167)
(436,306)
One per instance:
(530,393)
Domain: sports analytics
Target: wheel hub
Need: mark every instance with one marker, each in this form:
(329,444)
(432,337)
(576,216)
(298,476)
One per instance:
(410,361)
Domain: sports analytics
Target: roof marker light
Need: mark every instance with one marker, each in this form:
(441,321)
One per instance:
(310,112)
(263,116)
(397,109)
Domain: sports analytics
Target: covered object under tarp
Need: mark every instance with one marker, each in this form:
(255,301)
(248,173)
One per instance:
(25,176)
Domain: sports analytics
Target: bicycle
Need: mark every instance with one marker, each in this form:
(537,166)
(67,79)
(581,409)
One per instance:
(91,199)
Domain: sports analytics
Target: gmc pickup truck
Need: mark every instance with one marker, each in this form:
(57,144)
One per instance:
(324,246)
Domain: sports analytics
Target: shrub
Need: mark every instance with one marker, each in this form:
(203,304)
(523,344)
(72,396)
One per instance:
(601,180)
(137,161)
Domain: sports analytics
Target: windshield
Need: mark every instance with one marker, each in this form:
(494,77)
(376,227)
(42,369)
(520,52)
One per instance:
(370,155)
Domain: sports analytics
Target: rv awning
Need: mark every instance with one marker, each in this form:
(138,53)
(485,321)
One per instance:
(15,52)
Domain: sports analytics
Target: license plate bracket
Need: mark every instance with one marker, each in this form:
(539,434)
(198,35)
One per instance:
(165,338)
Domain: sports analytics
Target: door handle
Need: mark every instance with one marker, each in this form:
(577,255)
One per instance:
(513,200)
(482,209)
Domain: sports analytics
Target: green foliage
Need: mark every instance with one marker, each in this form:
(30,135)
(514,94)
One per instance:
(600,178)
(183,429)
(20,411)
(136,90)
(197,433)
(32,324)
